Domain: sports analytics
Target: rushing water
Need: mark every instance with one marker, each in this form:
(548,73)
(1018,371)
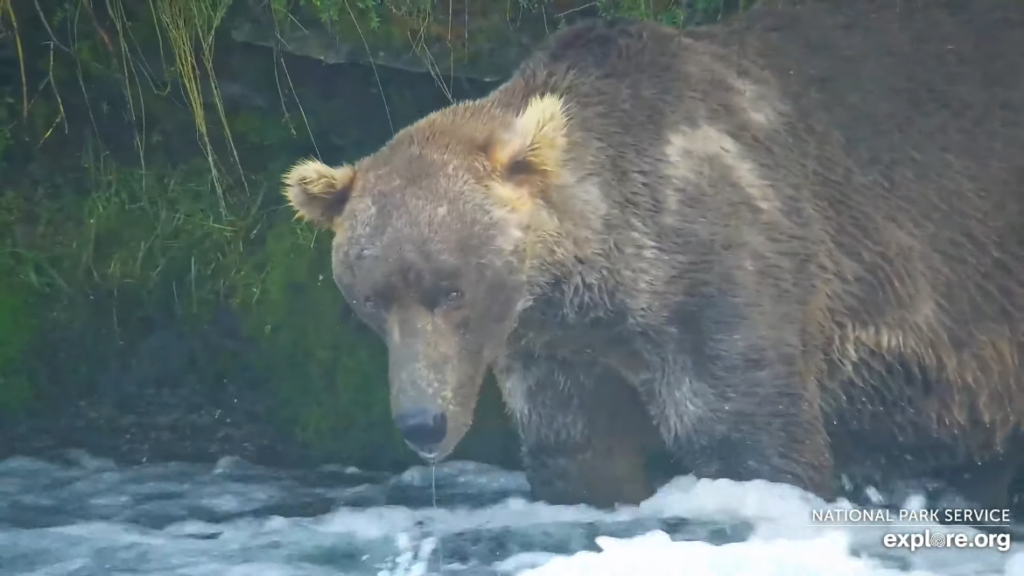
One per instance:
(85,516)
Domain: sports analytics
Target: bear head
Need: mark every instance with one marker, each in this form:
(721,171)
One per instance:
(434,238)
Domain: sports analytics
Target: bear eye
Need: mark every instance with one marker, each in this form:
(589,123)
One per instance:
(453,298)
(369,303)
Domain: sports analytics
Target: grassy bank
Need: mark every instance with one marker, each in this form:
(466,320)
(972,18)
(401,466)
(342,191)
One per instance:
(141,152)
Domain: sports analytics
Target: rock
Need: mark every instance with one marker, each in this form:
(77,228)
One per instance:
(484,40)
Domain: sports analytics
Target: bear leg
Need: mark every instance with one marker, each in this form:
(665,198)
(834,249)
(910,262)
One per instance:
(585,434)
(745,413)
(986,484)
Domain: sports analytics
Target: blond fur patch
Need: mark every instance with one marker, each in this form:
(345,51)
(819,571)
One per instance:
(318,192)
(534,148)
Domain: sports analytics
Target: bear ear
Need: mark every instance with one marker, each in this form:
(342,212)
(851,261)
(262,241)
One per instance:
(318,192)
(528,155)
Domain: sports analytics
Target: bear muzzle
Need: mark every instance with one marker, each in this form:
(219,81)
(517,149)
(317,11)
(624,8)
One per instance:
(435,373)
(422,394)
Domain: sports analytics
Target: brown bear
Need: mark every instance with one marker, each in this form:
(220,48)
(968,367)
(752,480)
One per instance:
(779,247)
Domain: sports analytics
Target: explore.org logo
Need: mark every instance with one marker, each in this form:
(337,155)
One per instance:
(929,538)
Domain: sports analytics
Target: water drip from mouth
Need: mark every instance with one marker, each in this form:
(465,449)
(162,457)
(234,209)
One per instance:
(433,499)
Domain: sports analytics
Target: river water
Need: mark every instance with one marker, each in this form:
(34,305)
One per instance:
(83,516)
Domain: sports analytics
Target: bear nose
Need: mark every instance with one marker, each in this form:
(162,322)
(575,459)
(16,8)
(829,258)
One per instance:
(423,430)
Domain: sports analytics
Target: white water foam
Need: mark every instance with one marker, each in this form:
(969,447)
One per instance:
(84,516)
(784,542)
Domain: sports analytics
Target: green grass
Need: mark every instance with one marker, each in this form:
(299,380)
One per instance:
(134,194)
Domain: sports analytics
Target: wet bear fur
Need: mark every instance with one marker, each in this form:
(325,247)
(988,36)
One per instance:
(782,247)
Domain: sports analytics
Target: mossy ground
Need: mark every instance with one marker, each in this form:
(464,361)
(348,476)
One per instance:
(141,189)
